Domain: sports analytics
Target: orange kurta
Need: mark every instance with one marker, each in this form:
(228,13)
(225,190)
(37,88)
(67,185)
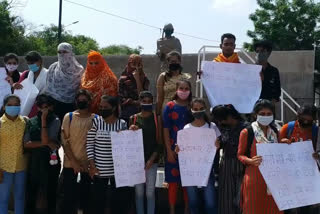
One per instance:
(255,199)
(234,58)
(297,133)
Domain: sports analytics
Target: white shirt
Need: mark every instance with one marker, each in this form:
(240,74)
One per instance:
(206,125)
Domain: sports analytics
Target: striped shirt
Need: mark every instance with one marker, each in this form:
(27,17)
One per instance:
(99,146)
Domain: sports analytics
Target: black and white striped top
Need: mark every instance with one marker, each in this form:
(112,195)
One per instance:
(99,144)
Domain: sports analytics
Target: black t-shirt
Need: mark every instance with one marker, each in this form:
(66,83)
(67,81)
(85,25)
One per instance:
(271,87)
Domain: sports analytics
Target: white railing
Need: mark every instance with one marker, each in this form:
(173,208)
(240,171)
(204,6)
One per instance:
(203,51)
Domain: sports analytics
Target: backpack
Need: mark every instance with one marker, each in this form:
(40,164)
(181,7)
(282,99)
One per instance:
(314,132)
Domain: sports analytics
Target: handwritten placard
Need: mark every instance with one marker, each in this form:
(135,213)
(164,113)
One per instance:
(232,83)
(128,158)
(197,151)
(290,173)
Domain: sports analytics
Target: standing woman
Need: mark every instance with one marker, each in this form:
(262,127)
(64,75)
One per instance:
(42,142)
(175,116)
(99,151)
(150,124)
(98,79)
(167,81)
(201,120)
(230,124)
(64,79)
(13,162)
(256,197)
(132,81)
(303,129)
(75,127)
(11,62)
(36,73)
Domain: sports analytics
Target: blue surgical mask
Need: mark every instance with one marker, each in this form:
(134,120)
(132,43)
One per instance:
(33,67)
(12,110)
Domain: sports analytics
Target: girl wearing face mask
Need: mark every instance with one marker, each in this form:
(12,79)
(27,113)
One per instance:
(151,126)
(98,79)
(74,131)
(256,198)
(36,73)
(13,162)
(63,80)
(166,84)
(11,62)
(99,153)
(230,169)
(42,142)
(303,129)
(201,120)
(175,116)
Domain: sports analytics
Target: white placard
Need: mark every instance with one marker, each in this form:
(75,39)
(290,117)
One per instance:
(196,155)
(128,158)
(28,95)
(5,88)
(232,83)
(291,173)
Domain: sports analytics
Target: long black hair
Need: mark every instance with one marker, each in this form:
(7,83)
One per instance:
(175,97)
(202,102)
(114,102)
(222,112)
(261,104)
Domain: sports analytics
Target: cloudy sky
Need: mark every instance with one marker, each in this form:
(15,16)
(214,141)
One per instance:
(203,18)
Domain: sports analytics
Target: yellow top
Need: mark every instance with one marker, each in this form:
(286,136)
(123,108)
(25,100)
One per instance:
(12,158)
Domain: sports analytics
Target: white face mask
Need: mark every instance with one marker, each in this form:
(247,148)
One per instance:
(11,67)
(264,120)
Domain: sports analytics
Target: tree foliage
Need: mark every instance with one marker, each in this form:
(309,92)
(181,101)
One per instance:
(289,24)
(120,50)
(13,38)
(12,31)
(46,42)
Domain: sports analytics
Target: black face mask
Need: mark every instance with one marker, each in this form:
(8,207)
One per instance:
(147,107)
(106,112)
(305,125)
(198,114)
(174,67)
(82,104)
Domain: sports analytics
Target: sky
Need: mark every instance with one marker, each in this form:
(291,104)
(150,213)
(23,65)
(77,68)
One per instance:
(202,18)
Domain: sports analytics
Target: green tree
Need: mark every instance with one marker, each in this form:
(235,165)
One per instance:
(12,31)
(45,41)
(289,24)
(120,50)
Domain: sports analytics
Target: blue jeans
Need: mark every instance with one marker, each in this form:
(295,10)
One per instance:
(151,176)
(18,180)
(209,197)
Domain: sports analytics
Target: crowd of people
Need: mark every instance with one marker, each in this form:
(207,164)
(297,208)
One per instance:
(77,108)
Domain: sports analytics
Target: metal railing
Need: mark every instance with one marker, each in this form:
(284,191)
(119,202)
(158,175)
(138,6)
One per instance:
(203,51)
